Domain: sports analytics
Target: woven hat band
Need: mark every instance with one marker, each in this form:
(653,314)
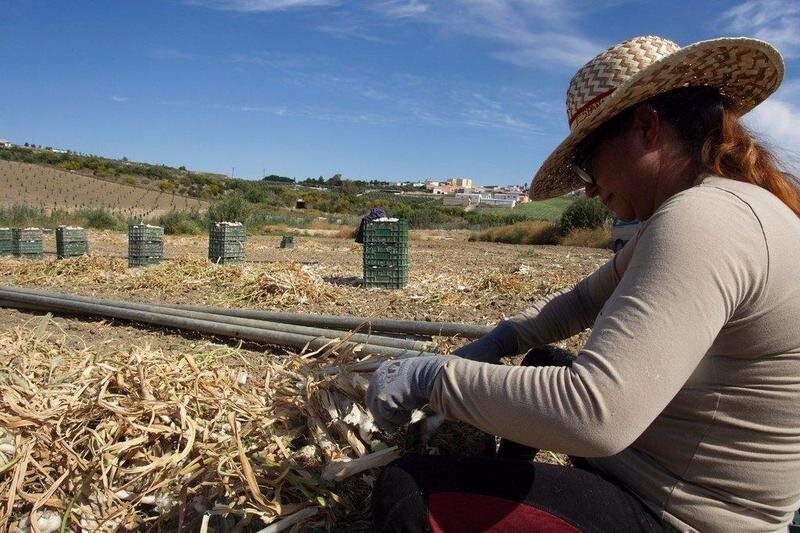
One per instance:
(587,107)
(612,69)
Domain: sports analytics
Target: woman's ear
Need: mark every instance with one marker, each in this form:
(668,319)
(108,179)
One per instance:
(648,126)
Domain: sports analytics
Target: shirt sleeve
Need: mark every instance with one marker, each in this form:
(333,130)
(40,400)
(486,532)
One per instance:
(698,258)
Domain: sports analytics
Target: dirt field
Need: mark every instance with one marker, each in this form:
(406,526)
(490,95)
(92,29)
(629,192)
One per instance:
(50,188)
(450,279)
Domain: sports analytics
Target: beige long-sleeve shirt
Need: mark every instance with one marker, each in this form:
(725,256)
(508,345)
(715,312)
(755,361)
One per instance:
(688,389)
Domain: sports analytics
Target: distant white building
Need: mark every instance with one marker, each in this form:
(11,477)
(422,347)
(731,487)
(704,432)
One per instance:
(504,196)
(463,201)
(5,144)
(498,202)
(461,182)
(476,197)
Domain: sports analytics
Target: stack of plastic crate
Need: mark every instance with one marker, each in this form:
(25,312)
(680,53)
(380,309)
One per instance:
(386,253)
(71,241)
(6,240)
(226,242)
(145,245)
(27,242)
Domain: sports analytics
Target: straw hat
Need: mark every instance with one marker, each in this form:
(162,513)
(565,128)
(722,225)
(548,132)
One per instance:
(746,71)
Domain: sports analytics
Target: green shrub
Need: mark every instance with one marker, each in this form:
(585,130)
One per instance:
(585,212)
(181,223)
(232,208)
(99,218)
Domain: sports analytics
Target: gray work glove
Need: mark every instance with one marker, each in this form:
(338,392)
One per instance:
(400,386)
(499,342)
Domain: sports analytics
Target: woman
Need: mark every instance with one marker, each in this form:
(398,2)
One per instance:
(684,404)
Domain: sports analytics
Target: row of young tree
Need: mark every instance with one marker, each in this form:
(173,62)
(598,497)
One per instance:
(204,185)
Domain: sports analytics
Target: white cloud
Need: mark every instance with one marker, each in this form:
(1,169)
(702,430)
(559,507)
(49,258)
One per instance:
(349,29)
(777,121)
(117,98)
(775,21)
(531,32)
(260,6)
(567,50)
(400,8)
(527,32)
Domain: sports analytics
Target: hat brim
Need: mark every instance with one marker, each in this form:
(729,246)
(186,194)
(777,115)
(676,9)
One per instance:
(746,71)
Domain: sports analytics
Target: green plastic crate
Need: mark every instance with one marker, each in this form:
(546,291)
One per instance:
(226,242)
(390,231)
(71,242)
(232,230)
(72,249)
(145,245)
(6,241)
(27,243)
(145,232)
(385,277)
(378,253)
(145,248)
(70,234)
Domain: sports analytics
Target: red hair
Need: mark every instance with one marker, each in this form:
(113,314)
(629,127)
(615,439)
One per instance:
(733,153)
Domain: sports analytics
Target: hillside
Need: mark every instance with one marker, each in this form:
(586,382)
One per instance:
(50,188)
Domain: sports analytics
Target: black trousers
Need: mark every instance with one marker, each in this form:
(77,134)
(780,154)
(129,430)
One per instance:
(507,493)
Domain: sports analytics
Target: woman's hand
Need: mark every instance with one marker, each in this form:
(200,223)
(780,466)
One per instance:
(400,386)
(499,342)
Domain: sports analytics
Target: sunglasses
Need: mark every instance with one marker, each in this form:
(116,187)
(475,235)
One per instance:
(587,178)
(581,156)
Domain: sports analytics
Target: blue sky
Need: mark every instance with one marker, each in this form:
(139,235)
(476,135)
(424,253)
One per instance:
(383,89)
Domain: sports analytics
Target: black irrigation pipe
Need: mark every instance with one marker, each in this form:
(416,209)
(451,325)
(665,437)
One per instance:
(260,324)
(10,298)
(294,340)
(443,329)
(259,261)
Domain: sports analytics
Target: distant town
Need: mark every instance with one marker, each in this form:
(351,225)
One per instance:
(459,192)
(462,192)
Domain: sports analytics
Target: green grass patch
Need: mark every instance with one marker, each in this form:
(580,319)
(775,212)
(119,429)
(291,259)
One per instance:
(549,210)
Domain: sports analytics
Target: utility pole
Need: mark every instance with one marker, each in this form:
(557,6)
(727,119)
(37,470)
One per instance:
(232,169)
